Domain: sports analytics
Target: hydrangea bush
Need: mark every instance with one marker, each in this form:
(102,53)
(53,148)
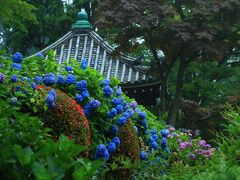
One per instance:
(63,96)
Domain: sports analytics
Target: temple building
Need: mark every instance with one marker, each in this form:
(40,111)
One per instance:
(82,42)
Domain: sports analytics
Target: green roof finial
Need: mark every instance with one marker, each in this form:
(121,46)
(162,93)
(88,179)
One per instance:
(82,21)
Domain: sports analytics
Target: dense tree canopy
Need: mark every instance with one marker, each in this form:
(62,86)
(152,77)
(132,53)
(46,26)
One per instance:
(185,31)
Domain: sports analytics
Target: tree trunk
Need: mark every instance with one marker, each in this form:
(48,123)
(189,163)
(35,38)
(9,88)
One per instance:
(177,97)
(163,96)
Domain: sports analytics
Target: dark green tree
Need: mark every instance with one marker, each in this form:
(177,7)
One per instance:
(185,31)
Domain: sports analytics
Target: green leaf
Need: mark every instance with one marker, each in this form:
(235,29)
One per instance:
(23,155)
(32,100)
(40,171)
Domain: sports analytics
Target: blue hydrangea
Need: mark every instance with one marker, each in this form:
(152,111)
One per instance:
(130,112)
(14,78)
(102,152)
(50,101)
(119,92)
(144,123)
(38,80)
(39,55)
(116,140)
(14,100)
(164,142)
(126,115)
(155,137)
(53,92)
(84,64)
(113,129)
(70,79)
(151,140)
(27,79)
(107,91)
(34,86)
(79,98)
(105,82)
(164,133)
(153,131)
(142,115)
(87,110)
(85,94)
(68,68)
(111,147)
(95,104)
(16,66)
(115,101)
(81,85)
(167,150)
(143,155)
(112,113)
(17,89)
(17,57)
(121,121)
(49,79)
(60,80)
(119,109)
(154,145)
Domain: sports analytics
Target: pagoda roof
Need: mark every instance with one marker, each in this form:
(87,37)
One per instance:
(84,43)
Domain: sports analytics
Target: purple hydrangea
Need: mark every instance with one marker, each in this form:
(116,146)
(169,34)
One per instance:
(17,57)
(95,104)
(60,80)
(84,64)
(111,147)
(133,104)
(79,98)
(38,80)
(202,143)
(121,121)
(68,68)
(116,140)
(14,78)
(113,129)
(70,79)
(102,152)
(107,91)
(81,85)
(49,79)
(119,109)
(112,113)
(16,66)
(143,155)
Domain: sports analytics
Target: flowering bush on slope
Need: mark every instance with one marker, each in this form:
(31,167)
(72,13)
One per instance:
(108,110)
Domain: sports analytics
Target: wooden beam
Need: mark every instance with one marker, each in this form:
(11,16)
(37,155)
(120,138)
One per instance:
(130,74)
(77,46)
(90,53)
(69,50)
(123,72)
(109,70)
(96,59)
(84,47)
(103,62)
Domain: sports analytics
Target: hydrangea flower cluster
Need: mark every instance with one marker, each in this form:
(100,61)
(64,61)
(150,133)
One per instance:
(113,129)
(2,77)
(49,79)
(38,80)
(60,80)
(84,64)
(14,78)
(103,151)
(50,99)
(16,66)
(68,68)
(13,100)
(17,57)
(91,107)
(165,134)
(70,79)
(82,87)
